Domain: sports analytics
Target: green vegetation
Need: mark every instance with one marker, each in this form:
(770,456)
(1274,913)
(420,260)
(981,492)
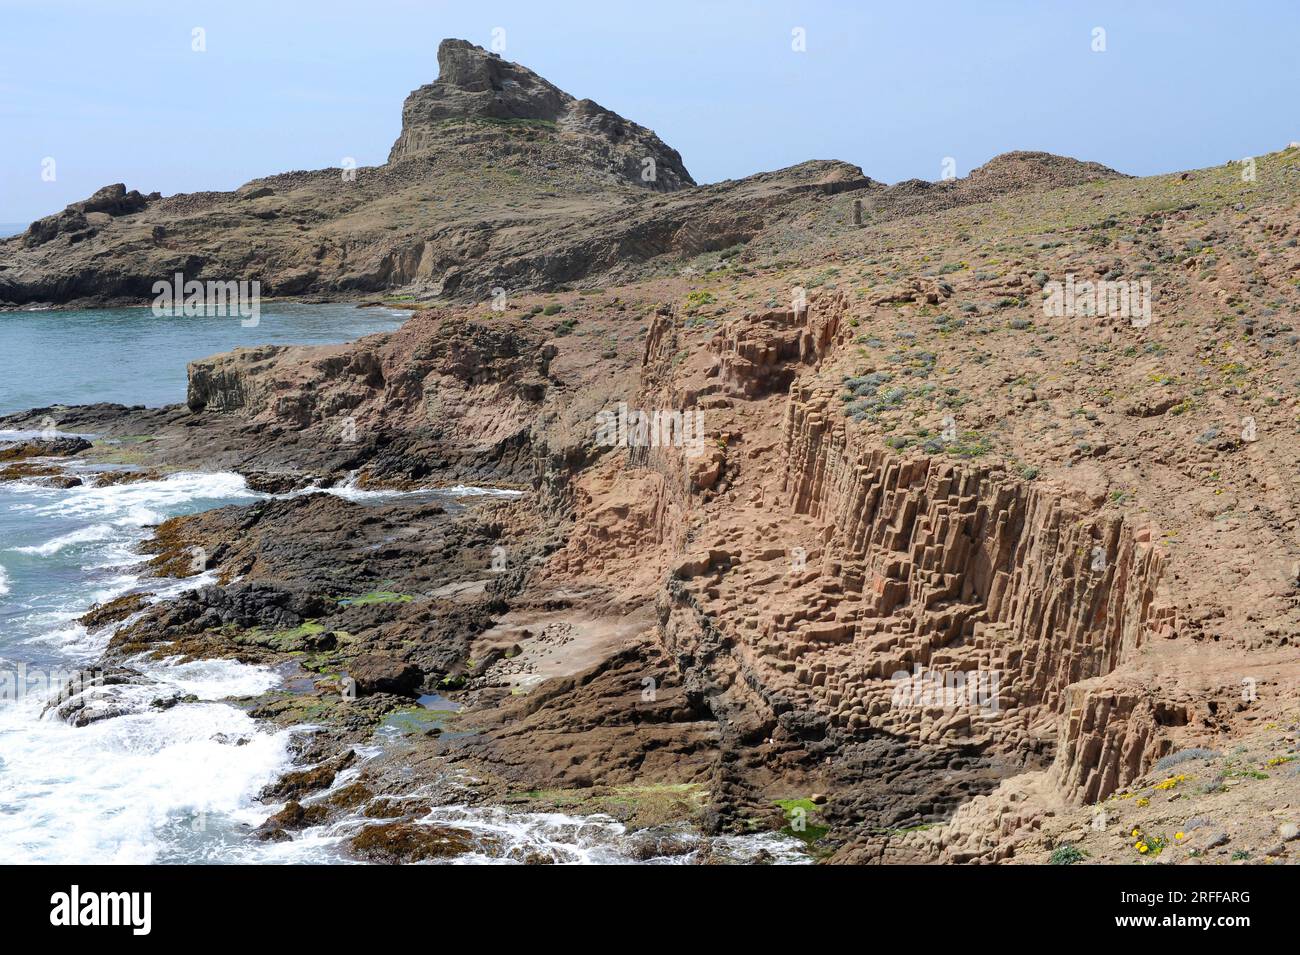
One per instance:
(799,814)
(1066,855)
(698,299)
(375,597)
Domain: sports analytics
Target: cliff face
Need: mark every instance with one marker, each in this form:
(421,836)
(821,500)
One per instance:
(862,592)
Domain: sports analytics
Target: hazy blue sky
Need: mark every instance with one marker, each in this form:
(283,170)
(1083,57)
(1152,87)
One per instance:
(113,92)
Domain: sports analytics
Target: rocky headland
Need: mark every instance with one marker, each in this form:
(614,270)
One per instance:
(921,571)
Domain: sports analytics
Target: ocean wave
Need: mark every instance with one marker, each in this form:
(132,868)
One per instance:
(351,492)
(115,791)
(84,535)
(146,502)
(212,679)
(466,490)
(28,434)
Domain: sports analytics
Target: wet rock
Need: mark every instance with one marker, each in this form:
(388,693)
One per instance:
(167,702)
(277,482)
(400,842)
(658,844)
(114,611)
(90,696)
(395,808)
(295,816)
(350,796)
(61,447)
(305,781)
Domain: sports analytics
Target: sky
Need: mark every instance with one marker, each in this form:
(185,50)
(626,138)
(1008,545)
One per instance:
(115,92)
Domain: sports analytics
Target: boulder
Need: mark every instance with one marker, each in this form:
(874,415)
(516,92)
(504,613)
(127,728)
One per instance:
(381,673)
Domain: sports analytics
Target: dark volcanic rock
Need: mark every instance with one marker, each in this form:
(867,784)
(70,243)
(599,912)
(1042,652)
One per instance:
(89,696)
(276,482)
(114,611)
(301,782)
(579,187)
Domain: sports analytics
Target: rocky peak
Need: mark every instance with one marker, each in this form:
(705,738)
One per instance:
(479,88)
(473,83)
(1012,171)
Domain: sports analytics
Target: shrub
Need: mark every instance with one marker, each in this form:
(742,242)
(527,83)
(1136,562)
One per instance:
(1066,855)
(1173,759)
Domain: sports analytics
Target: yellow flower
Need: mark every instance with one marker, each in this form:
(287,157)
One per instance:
(1142,847)
(1136,832)
(1179,835)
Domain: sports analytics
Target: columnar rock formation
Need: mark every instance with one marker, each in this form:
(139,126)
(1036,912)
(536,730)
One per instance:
(823,586)
(933,555)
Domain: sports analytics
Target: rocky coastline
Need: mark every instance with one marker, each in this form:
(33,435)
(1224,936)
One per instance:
(916,572)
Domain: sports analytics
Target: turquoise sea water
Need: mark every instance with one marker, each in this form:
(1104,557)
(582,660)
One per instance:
(130,356)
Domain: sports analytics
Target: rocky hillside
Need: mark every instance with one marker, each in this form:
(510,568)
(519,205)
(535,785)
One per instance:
(499,180)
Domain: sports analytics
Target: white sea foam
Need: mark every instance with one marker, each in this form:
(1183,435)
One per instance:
(349,491)
(110,791)
(598,840)
(142,787)
(465,490)
(28,434)
(214,679)
(151,785)
(4,580)
(84,535)
(147,502)
(179,784)
(504,837)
